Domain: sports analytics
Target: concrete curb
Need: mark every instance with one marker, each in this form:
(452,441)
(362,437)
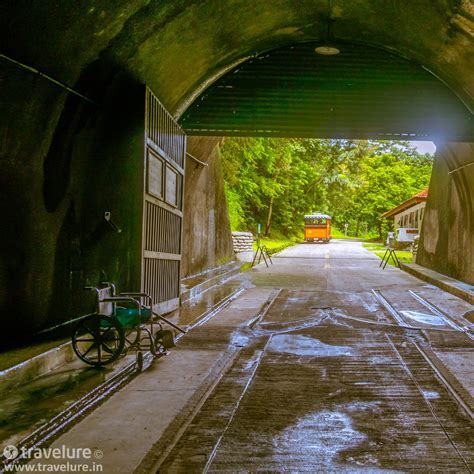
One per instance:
(455,287)
(36,366)
(43,363)
(191,293)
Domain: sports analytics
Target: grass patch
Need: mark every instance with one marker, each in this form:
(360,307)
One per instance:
(379,250)
(276,242)
(339,234)
(245,267)
(273,244)
(374,246)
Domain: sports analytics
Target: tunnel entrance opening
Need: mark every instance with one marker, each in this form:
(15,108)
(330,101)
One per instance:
(275,182)
(364,92)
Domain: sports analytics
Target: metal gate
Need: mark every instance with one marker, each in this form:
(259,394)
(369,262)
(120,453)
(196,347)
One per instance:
(165,148)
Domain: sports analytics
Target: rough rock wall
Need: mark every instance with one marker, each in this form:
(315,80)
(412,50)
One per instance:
(447,239)
(58,178)
(207,240)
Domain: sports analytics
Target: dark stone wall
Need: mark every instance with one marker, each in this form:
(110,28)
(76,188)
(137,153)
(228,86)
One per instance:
(447,238)
(29,232)
(207,239)
(64,163)
(59,178)
(175,46)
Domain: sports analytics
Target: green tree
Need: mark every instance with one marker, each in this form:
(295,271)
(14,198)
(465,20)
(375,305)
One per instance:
(386,181)
(277,181)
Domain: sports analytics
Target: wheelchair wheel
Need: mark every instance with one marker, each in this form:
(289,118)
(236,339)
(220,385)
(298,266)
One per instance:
(153,348)
(164,340)
(98,339)
(139,361)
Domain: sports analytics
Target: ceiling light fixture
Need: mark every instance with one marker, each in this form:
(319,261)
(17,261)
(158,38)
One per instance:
(328,49)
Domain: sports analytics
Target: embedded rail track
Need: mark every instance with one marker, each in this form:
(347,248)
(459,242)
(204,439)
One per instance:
(435,310)
(426,356)
(75,412)
(401,321)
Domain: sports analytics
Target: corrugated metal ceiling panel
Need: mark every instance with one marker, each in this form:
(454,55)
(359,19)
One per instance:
(363,92)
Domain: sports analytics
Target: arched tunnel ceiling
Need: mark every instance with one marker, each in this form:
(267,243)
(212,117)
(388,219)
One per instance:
(178,47)
(362,92)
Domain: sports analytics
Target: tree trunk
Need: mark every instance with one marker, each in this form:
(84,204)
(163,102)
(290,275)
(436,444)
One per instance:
(269,218)
(357,227)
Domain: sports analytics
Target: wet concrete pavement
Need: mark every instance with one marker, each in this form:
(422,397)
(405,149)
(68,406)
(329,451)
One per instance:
(326,363)
(331,381)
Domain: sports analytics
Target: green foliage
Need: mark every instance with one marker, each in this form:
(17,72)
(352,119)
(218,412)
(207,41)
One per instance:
(277,240)
(236,212)
(365,236)
(275,182)
(379,250)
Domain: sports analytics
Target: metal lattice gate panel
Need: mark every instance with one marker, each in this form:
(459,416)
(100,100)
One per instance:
(165,148)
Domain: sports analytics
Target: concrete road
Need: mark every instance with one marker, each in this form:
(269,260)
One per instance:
(351,369)
(325,363)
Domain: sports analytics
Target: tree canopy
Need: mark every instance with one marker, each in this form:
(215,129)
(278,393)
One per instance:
(275,181)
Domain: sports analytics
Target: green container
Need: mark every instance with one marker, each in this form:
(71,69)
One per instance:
(129,317)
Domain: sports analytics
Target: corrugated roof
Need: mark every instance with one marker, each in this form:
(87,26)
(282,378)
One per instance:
(422,194)
(416,199)
(363,92)
(317,215)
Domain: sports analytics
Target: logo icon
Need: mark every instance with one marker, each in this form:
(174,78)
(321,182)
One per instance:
(98,454)
(10,452)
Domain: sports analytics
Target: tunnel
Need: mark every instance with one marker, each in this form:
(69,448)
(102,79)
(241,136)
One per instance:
(73,104)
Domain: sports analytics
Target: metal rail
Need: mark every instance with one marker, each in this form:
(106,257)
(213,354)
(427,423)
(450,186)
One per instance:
(393,312)
(444,381)
(435,310)
(74,412)
(430,306)
(265,308)
(258,360)
(425,398)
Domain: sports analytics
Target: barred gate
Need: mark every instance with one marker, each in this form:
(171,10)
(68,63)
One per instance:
(165,148)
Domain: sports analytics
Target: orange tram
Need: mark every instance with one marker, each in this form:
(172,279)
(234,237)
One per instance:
(317,228)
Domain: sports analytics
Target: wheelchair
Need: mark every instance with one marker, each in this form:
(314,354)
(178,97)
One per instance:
(122,323)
